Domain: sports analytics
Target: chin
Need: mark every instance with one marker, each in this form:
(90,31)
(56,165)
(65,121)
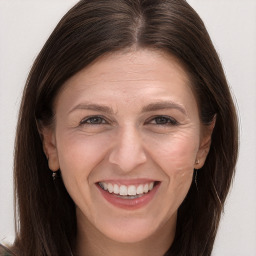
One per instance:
(129,235)
(130,229)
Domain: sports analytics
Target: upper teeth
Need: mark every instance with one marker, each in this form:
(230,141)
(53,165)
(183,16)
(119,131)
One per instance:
(124,190)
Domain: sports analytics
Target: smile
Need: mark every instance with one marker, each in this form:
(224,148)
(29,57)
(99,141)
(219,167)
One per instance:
(130,191)
(132,196)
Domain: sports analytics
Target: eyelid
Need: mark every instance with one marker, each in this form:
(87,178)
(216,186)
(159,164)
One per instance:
(172,120)
(83,121)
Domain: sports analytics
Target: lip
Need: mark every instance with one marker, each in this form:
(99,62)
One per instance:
(128,182)
(129,204)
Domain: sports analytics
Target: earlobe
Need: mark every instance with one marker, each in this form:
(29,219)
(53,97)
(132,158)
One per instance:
(49,146)
(202,154)
(205,144)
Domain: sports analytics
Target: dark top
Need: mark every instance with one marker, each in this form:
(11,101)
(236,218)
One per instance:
(4,251)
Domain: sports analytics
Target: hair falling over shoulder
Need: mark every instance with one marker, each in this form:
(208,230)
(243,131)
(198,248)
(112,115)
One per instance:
(46,219)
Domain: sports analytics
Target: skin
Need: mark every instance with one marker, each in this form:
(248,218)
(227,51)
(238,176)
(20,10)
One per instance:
(129,141)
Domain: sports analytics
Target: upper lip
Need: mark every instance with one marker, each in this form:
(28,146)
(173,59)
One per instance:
(127,182)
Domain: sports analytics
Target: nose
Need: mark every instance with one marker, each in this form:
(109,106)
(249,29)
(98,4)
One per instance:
(127,152)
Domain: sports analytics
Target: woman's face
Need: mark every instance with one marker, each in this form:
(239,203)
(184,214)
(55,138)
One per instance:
(126,138)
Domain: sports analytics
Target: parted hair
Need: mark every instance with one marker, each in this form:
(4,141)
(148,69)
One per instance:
(46,220)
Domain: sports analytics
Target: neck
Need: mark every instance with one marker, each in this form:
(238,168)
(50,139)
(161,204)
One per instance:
(91,241)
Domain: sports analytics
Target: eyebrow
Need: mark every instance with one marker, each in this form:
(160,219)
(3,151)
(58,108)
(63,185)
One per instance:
(148,108)
(164,105)
(95,107)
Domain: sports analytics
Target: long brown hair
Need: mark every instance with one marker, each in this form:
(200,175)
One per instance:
(46,221)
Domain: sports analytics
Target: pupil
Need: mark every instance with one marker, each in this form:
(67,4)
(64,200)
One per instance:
(161,120)
(96,120)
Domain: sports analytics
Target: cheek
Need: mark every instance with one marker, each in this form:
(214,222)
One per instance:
(176,158)
(78,156)
(78,151)
(176,154)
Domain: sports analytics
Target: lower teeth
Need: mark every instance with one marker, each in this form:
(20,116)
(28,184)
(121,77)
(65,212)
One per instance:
(130,197)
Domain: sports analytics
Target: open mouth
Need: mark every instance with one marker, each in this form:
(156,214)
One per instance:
(132,191)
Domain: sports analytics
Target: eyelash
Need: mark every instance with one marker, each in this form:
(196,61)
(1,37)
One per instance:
(164,121)
(88,121)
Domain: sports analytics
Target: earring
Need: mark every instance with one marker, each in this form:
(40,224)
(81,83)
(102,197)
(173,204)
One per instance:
(197,162)
(196,179)
(55,175)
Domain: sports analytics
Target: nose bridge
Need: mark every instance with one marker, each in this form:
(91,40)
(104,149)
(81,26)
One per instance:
(128,151)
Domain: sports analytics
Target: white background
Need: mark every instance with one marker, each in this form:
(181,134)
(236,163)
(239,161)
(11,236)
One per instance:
(25,26)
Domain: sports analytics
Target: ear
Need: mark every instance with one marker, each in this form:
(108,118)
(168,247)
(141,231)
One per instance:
(205,143)
(49,146)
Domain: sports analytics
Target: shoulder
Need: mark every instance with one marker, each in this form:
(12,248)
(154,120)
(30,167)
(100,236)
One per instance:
(4,251)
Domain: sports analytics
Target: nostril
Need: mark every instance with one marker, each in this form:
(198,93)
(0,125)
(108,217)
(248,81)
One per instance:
(127,157)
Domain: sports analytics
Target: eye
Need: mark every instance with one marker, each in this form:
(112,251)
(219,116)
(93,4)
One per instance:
(163,120)
(93,120)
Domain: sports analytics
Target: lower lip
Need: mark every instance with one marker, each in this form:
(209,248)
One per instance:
(129,204)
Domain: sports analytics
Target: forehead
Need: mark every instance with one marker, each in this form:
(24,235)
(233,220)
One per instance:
(135,63)
(144,74)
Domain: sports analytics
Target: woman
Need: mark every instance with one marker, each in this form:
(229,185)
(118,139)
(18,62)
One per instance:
(127,136)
